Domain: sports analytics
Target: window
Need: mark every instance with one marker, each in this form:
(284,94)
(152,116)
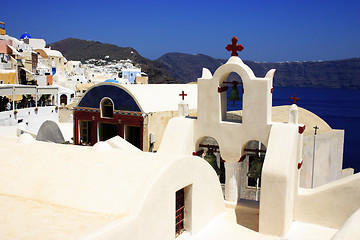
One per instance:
(85,132)
(107,108)
(179,214)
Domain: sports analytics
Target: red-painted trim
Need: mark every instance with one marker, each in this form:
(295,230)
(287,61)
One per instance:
(272,90)
(300,164)
(302,129)
(243,90)
(242,158)
(95,118)
(198,153)
(76,127)
(222,89)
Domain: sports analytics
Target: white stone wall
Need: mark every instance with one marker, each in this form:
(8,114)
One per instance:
(137,188)
(329,205)
(328,159)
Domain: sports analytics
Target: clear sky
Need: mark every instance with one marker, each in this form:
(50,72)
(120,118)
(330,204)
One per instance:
(270,30)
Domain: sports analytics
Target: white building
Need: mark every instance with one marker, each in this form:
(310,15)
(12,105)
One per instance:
(112,190)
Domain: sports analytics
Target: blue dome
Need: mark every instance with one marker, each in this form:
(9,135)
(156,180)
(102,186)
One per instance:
(111,80)
(25,36)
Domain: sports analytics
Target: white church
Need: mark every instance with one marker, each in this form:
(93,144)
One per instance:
(113,190)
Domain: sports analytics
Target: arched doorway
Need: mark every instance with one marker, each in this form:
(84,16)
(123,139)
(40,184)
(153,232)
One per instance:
(63,99)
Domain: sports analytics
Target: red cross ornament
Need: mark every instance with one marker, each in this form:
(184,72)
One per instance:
(234,47)
(182,94)
(295,98)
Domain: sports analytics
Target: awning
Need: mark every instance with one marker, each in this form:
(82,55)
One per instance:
(24,90)
(47,90)
(6,90)
(14,50)
(28,71)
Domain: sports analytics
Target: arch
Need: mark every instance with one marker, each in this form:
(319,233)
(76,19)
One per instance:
(234,65)
(121,97)
(208,144)
(107,108)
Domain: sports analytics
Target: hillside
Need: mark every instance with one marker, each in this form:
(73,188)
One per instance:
(331,74)
(77,49)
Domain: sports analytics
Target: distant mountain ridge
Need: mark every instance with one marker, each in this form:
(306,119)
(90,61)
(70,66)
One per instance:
(328,74)
(184,68)
(81,50)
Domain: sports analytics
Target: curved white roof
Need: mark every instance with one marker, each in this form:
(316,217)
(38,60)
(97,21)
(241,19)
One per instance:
(50,52)
(156,97)
(72,182)
(162,97)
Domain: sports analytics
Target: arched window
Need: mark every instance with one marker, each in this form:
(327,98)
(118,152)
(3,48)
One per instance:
(107,108)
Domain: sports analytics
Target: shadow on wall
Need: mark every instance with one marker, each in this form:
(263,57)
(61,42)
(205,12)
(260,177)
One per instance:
(247,214)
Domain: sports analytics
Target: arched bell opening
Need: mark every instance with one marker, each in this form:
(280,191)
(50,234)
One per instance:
(252,160)
(232,92)
(208,149)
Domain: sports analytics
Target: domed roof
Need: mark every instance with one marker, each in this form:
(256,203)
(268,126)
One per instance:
(111,80)
(25,36)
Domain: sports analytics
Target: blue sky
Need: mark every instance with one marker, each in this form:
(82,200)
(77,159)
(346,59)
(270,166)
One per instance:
(270,30)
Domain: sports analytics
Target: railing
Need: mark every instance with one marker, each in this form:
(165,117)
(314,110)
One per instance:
(6,66)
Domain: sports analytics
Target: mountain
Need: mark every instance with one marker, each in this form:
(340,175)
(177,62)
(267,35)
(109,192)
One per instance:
(330,74)
(80,50)
(188,67)
(184,68)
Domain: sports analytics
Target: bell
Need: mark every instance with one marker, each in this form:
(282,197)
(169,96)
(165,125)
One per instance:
(255,169)
(234,93)
(211,159)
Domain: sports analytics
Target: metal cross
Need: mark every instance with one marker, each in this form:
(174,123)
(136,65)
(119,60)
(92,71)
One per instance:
(316,128)
(234,47)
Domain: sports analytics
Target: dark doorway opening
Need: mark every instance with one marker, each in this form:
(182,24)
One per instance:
(132,135)
(107,131)
(63,99)
(22,76)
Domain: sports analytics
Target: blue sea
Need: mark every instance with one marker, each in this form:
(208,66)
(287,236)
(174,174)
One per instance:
(340,108)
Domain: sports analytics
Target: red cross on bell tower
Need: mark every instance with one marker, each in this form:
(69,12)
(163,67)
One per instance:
(234,47)
(295,98)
